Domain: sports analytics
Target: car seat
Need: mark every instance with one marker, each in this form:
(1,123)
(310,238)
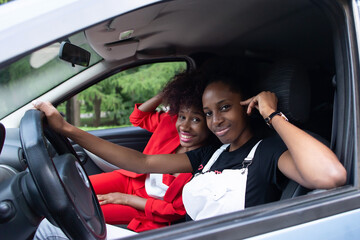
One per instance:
(289,80)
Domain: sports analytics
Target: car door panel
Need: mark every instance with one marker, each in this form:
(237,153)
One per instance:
(132,137)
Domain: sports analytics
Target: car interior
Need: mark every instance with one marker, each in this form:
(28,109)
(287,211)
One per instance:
(296,49)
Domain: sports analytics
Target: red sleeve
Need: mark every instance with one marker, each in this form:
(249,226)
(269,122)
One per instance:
(145,120)
(171,208)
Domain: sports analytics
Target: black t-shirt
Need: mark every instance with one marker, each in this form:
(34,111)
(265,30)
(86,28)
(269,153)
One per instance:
(264,183)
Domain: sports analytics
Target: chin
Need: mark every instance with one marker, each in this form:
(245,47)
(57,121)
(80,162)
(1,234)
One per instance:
(186,144)
(225,140)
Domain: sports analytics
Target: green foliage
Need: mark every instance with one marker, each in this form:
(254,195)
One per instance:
(120,92)
(5,1)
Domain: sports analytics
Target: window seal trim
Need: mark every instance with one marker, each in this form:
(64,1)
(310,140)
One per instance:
(266,218)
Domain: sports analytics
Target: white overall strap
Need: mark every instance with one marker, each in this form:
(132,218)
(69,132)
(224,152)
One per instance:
(251,154)
(214,157)
(248,160)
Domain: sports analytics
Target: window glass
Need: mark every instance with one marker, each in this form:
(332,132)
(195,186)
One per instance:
(37,73)
(109,103)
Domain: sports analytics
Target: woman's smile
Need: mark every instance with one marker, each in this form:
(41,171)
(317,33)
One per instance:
(185,137)
(221,132)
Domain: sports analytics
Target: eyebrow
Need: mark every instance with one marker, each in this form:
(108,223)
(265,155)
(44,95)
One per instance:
(198,113)
(193,112)
(218,103)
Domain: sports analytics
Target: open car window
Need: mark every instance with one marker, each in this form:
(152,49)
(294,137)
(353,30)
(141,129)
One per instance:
(109,103)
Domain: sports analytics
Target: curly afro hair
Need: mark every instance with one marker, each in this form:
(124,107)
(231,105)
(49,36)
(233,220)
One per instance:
(185,90)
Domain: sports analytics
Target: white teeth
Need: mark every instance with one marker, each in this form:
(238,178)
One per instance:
(187,137)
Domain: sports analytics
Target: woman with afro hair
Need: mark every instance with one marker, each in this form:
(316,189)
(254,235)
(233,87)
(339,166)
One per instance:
(149,201)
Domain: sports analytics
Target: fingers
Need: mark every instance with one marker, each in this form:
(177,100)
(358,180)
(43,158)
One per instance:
(45,107)
(102,199)
(265,102)
(246,102)
(38,104)
(251,102)
(111,198)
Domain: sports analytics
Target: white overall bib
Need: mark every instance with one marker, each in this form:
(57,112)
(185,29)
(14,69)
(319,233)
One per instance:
(210,194)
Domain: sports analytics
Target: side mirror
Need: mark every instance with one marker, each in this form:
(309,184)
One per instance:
(74,54)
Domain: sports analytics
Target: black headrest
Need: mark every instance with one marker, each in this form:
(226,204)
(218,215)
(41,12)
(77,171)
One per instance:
(289,80)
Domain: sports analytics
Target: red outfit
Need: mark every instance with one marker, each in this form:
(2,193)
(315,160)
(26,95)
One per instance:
(158,213)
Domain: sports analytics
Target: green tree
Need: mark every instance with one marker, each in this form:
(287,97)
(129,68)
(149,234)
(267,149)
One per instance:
(117,94)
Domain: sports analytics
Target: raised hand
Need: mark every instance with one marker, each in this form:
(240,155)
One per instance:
(265,102)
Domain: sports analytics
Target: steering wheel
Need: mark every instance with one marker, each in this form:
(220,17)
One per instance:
(61,182)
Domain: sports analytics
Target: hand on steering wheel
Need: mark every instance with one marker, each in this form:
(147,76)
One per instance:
(60,179)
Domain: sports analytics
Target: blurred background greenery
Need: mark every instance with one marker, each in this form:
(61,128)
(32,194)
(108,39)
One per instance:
(5,1)
(109,103)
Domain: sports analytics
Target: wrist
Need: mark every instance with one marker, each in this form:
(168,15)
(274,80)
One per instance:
(66,128)
(269,119)
(126,200)
(266,112)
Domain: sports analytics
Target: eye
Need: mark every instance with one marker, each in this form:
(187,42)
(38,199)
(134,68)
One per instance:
(195,119)
(181,117)
(224,107)
(208,114)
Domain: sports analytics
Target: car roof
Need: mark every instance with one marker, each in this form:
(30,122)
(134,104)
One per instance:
(186,26)
(170,28)
(42,22)
(228,27)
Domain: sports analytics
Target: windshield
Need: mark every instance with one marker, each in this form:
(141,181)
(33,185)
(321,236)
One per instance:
(37,73)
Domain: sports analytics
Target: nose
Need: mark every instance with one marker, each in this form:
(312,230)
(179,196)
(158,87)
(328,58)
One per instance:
(185,125)
(217,119)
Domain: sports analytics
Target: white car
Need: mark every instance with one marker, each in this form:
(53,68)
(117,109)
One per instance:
(305,51)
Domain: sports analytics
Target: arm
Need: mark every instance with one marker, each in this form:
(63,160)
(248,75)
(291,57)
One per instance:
(123,199)
(145,116)
(122,157)
(307,160)
(151,104)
